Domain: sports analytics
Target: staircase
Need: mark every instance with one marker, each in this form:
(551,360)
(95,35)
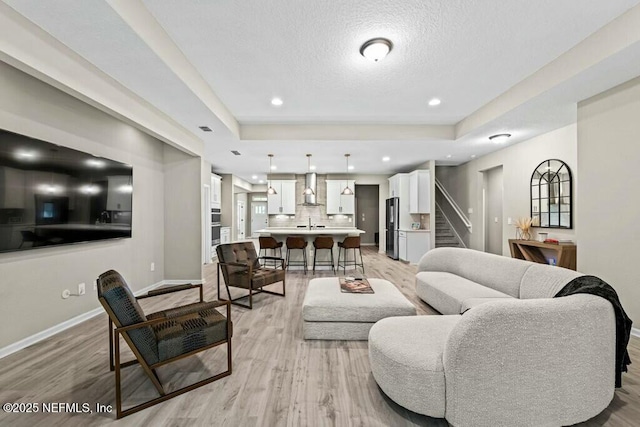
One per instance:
(445,237)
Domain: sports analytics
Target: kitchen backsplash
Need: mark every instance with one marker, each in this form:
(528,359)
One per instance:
(318,214)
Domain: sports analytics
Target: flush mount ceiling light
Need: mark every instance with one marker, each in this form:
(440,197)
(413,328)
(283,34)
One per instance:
(347,191)
(308,191)
(277,102)
(376,49)
(386,158)
(270,190)
(433,102)
(500,138)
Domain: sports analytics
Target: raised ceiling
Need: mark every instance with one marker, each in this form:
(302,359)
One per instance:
(497,66)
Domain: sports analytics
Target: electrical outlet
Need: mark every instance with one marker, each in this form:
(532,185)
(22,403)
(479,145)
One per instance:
(470,210)
(95,286)
(153,266)
(81,289)
(495,219)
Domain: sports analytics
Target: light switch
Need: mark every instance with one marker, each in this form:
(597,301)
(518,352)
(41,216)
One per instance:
(495,219)
(470,210)
(509,220)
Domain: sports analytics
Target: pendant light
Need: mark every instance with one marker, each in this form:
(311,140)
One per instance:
(308,191)
(271,191)
(347,191)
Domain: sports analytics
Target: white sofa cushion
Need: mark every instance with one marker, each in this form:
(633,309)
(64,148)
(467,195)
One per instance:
(446,292)
(497,272)
(406,360)
(469,303)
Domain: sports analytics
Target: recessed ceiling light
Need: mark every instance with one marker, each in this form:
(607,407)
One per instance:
(386,158)
(254,176)
(473,156)
(205,128)
(500,138)
(236,153)
(276,102)
(351,167)
(273,167)
(26,155)
(449,156)
(312,167)
(435,101)
(261,182)
(376,49)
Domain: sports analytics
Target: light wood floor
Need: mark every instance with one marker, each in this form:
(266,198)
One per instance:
(278,378)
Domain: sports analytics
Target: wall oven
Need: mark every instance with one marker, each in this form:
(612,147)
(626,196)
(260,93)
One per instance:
(215,227)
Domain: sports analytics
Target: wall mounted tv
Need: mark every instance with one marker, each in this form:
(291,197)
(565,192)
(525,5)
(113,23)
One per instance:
(52,195)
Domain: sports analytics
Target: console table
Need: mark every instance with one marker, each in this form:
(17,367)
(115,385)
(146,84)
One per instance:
(531,250)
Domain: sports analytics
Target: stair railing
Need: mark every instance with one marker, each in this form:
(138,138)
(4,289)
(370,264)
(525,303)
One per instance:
(451,227)
(454,205)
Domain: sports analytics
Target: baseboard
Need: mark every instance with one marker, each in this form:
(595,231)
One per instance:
(26,342)
(635,332)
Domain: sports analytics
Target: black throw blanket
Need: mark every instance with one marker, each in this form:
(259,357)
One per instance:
(595,286)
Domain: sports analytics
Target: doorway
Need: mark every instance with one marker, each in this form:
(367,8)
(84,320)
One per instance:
(368,213)
(492,190)
(240,220)
(206,225)
(259,217)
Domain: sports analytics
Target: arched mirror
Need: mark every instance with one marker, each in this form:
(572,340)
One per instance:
(551,199)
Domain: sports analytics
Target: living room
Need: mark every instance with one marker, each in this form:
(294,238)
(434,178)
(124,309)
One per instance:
(577,102)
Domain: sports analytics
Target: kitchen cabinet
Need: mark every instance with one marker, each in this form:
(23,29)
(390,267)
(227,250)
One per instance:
(413,244)
(337,203)
(216,191)
(119,193)
(419,192)
(402,245)
(284,202)
(12,185)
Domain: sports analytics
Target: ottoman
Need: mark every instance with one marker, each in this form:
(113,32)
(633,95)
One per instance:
(330,314)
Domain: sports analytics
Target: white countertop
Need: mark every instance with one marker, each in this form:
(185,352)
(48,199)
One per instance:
(312,232)
(409,230)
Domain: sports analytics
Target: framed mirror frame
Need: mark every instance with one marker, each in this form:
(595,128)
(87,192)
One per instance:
(551,195)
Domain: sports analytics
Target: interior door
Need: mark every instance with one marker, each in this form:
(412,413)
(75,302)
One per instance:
(240,220)
(259,217)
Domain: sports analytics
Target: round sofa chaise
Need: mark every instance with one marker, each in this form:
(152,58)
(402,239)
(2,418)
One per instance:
(522,358)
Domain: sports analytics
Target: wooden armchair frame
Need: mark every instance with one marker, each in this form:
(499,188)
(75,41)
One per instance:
(150,369)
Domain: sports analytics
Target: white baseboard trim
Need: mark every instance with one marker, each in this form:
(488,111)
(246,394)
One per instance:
(26,342)
(635,332)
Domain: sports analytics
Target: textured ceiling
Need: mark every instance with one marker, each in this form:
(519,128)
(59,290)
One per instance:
(465,52)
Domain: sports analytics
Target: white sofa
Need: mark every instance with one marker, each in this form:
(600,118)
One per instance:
(517,357)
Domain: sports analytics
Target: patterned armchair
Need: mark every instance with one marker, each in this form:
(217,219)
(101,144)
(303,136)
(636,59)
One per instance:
(162,337)
(241,268)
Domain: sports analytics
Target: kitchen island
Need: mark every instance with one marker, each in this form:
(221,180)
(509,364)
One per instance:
(338,234)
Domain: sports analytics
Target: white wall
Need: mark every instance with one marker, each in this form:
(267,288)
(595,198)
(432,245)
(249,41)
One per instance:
(609,211)
(464,182)
(31,282)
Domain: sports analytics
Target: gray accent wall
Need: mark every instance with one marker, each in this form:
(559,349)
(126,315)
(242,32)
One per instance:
(608,202)
(31,282)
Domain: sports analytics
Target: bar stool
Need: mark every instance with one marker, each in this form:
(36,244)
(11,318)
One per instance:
(350,242)
(267,243)
(297,243)
(320,243)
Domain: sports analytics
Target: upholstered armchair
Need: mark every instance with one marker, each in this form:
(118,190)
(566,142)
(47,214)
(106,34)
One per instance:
(160,338)
(241,268)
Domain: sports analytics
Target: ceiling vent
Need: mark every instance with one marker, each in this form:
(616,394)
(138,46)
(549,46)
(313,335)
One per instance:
(236,153)
(205,128)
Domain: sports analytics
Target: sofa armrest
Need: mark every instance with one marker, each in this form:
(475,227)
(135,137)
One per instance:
(550,360)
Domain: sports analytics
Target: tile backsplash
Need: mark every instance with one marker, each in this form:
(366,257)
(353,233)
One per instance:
(318,214)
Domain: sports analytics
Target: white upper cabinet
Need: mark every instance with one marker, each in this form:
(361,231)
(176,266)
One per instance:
(216,191)
(336,202)
(420,192)
(284,202)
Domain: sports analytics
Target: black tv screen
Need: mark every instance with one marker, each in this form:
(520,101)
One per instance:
(53,195)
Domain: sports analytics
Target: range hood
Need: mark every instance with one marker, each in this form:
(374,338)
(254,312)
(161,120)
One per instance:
(311,181)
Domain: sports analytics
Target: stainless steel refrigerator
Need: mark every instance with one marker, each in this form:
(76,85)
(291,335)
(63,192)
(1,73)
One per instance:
(393,205)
